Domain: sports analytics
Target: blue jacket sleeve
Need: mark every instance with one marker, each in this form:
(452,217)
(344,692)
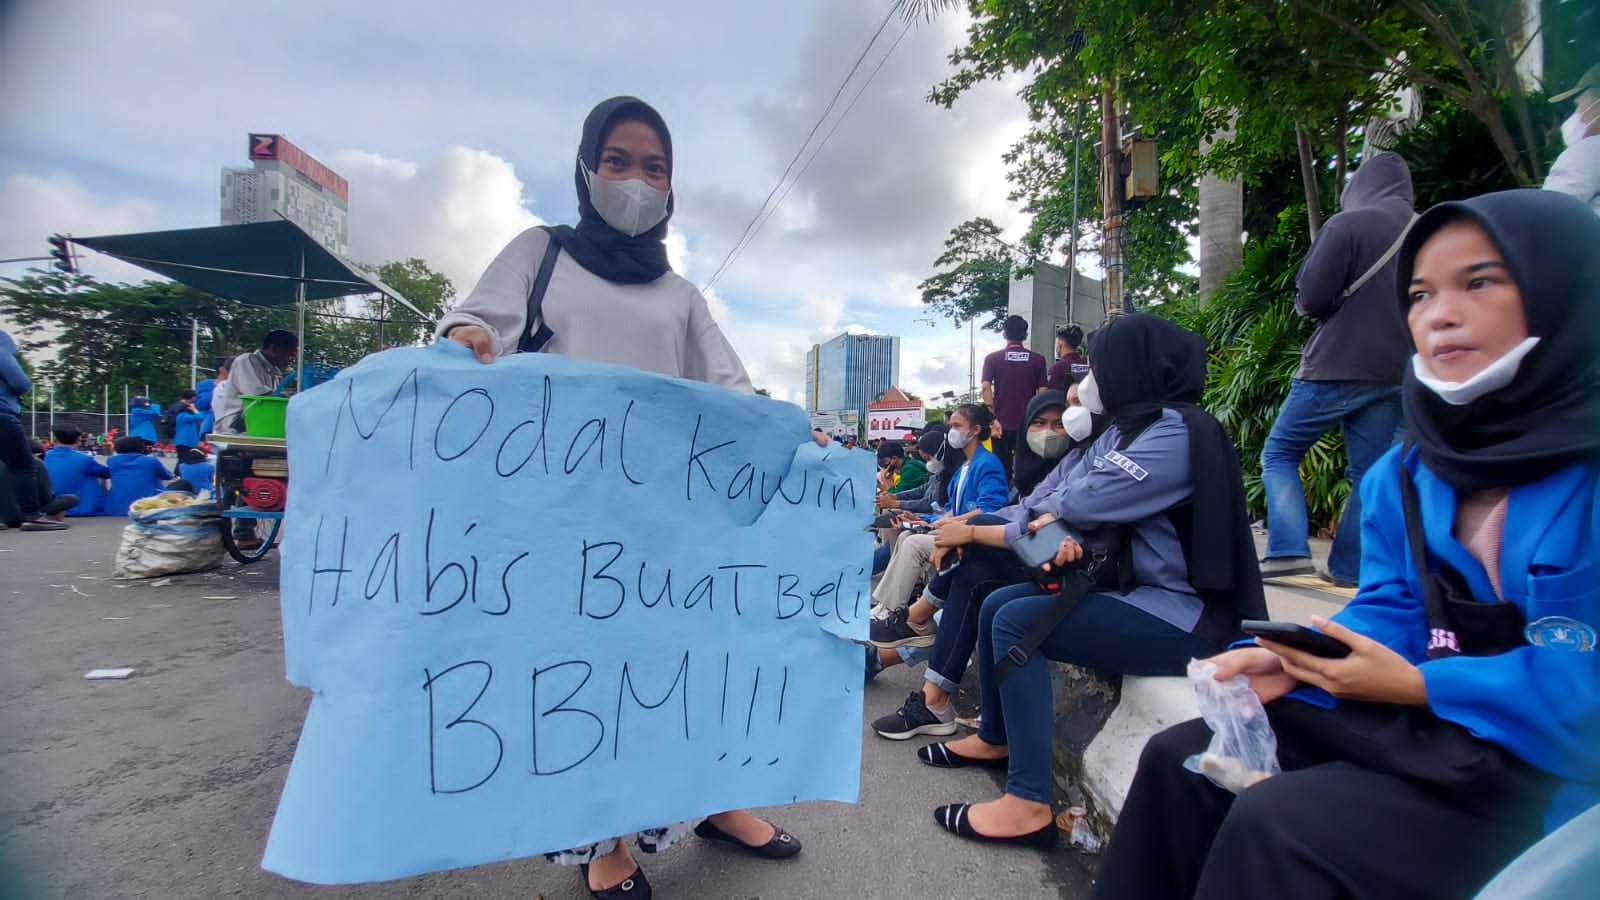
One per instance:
(991,492)
(11,373)
(94,469)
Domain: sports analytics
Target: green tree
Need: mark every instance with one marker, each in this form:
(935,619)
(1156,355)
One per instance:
(974,281)
(344,331)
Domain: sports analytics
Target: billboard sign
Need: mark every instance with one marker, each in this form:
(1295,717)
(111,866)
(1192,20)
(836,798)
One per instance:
(278,147)
(895,423)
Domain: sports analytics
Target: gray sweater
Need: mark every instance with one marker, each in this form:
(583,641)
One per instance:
(1362,337)
(663,326)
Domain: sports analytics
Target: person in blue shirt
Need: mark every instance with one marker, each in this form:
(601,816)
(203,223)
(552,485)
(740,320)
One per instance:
(134,475)
(195,468)
(203,392)
(979,486)
(1465,721)
(186,431)
(142,419)
(74,472)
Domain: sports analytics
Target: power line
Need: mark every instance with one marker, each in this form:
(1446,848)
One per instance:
(802,148)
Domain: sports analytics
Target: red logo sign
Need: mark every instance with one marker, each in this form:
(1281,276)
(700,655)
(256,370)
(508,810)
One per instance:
(263,146)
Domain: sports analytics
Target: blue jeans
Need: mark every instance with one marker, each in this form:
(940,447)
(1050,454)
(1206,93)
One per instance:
(1369,414)
(1102,633)
(982,571)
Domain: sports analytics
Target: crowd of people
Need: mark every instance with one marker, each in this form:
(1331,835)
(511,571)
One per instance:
(1460,724)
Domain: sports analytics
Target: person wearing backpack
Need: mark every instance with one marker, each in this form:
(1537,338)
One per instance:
(1350,367)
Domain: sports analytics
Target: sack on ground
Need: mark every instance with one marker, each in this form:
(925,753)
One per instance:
(170,533)
(1243,750)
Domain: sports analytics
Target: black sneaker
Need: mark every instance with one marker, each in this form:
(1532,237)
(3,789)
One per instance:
(1286,566)
(874,663)
(896,631)
(912,719)
(41,523)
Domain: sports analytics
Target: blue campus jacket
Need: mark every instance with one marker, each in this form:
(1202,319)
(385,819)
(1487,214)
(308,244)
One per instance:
(134,475)
(985,488)
(186,432)
(74,472)
(202,401)
(142,422)
(202,475)
(1540,703)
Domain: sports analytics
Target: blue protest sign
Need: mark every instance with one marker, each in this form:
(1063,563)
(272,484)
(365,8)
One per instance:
(545,602)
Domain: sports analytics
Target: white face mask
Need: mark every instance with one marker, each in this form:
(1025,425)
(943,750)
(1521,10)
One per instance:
(1048,443)
(1575,129)
(1078,421)
(935,466)
(1495,376)
(631,207)
(1089,395)
(958,439)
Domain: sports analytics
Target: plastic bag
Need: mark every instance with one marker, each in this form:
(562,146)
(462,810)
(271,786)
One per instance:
(1244,749)
(175,533)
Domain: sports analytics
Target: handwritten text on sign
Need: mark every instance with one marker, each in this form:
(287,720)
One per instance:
(544,602)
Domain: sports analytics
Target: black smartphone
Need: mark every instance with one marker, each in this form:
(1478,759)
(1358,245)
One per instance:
(886,520)
(1035,548)
(1297,636)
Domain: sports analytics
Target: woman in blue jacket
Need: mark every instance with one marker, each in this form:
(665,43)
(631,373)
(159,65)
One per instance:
(1465,721)
(142,418)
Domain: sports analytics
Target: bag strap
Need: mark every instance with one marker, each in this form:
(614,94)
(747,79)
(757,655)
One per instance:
(1382,261)
(1441,635)
(534,340)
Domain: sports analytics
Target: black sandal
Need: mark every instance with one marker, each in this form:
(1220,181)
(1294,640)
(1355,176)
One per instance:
(634,887)
(954,819)
(782,845)
(940,756)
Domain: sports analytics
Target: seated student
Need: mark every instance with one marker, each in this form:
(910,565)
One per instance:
(74,472)
(197,469)
(1058,431)
(1167,473)
(1464,722)
(133,475)
(142,420)
(51,504)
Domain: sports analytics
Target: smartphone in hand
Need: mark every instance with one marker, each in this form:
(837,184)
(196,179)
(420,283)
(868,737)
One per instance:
(1297,636)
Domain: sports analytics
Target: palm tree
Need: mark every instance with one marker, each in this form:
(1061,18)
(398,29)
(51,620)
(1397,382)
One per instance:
(925,10)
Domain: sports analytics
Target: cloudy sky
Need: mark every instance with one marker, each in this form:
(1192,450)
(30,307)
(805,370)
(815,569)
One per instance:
(456,125)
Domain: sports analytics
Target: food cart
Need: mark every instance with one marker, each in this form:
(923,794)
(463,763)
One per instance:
(261,264)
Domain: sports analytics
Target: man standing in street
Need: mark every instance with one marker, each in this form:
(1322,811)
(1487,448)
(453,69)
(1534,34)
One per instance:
(1070,366)
(1577,170)
(255,374)
(16,451)
(1011,376)
(1350,368)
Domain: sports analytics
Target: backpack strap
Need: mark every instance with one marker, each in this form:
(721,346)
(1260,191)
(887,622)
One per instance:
(1382,261)
(534,339)
(1441,634)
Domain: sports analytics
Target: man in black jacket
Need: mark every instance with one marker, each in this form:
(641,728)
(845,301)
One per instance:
(1350,368)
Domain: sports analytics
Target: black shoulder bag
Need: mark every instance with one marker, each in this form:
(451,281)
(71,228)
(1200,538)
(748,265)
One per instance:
(534,340)
(1107,565)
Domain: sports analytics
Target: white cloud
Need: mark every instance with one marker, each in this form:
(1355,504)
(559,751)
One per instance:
(455,211)
(37,206)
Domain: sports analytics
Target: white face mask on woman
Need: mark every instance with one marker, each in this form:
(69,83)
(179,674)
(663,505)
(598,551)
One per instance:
(631,207)
(1089,395)
(1492,378)
(935,466)
(958,439)
(1077,420)
(1048,443)
(1575,128)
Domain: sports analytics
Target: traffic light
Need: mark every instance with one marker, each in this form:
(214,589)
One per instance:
(62,252)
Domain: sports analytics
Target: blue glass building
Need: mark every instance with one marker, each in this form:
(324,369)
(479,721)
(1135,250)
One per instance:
(850,371)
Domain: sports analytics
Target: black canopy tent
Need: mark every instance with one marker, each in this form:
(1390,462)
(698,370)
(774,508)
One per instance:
(261,263)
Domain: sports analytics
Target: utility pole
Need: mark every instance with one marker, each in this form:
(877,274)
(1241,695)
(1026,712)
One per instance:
(1072,240)
(1112,190)
(194,351)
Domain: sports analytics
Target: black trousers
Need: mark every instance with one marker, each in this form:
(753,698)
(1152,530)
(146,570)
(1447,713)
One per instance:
(17,456)
(1005,447)
(1325,828)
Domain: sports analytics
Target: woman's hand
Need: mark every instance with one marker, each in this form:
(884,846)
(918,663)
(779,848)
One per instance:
(1265,669)
(475,339)
(886,500)
(1372,672)
(1070,551)
(1041,522)
(955,534)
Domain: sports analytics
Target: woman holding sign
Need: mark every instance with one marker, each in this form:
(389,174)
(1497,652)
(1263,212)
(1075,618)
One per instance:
(603,291)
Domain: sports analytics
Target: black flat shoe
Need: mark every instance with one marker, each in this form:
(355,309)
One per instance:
(634,887)
(940,756)
(782,846)
(953,819)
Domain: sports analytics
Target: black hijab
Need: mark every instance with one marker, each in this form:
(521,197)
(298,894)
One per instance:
(1549,416)
(1029,468)
(1143,364)
(597,246)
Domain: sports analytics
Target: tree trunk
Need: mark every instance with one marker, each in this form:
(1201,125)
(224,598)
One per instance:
(1112,189)
(1308,177)
(1221,222)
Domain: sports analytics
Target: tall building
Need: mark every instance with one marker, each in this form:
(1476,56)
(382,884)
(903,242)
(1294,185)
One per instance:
(851,371)
(287,182)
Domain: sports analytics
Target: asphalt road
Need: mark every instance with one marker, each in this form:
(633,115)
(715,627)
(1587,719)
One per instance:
(164,785)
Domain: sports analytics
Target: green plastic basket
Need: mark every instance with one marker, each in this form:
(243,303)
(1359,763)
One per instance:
(264,416)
